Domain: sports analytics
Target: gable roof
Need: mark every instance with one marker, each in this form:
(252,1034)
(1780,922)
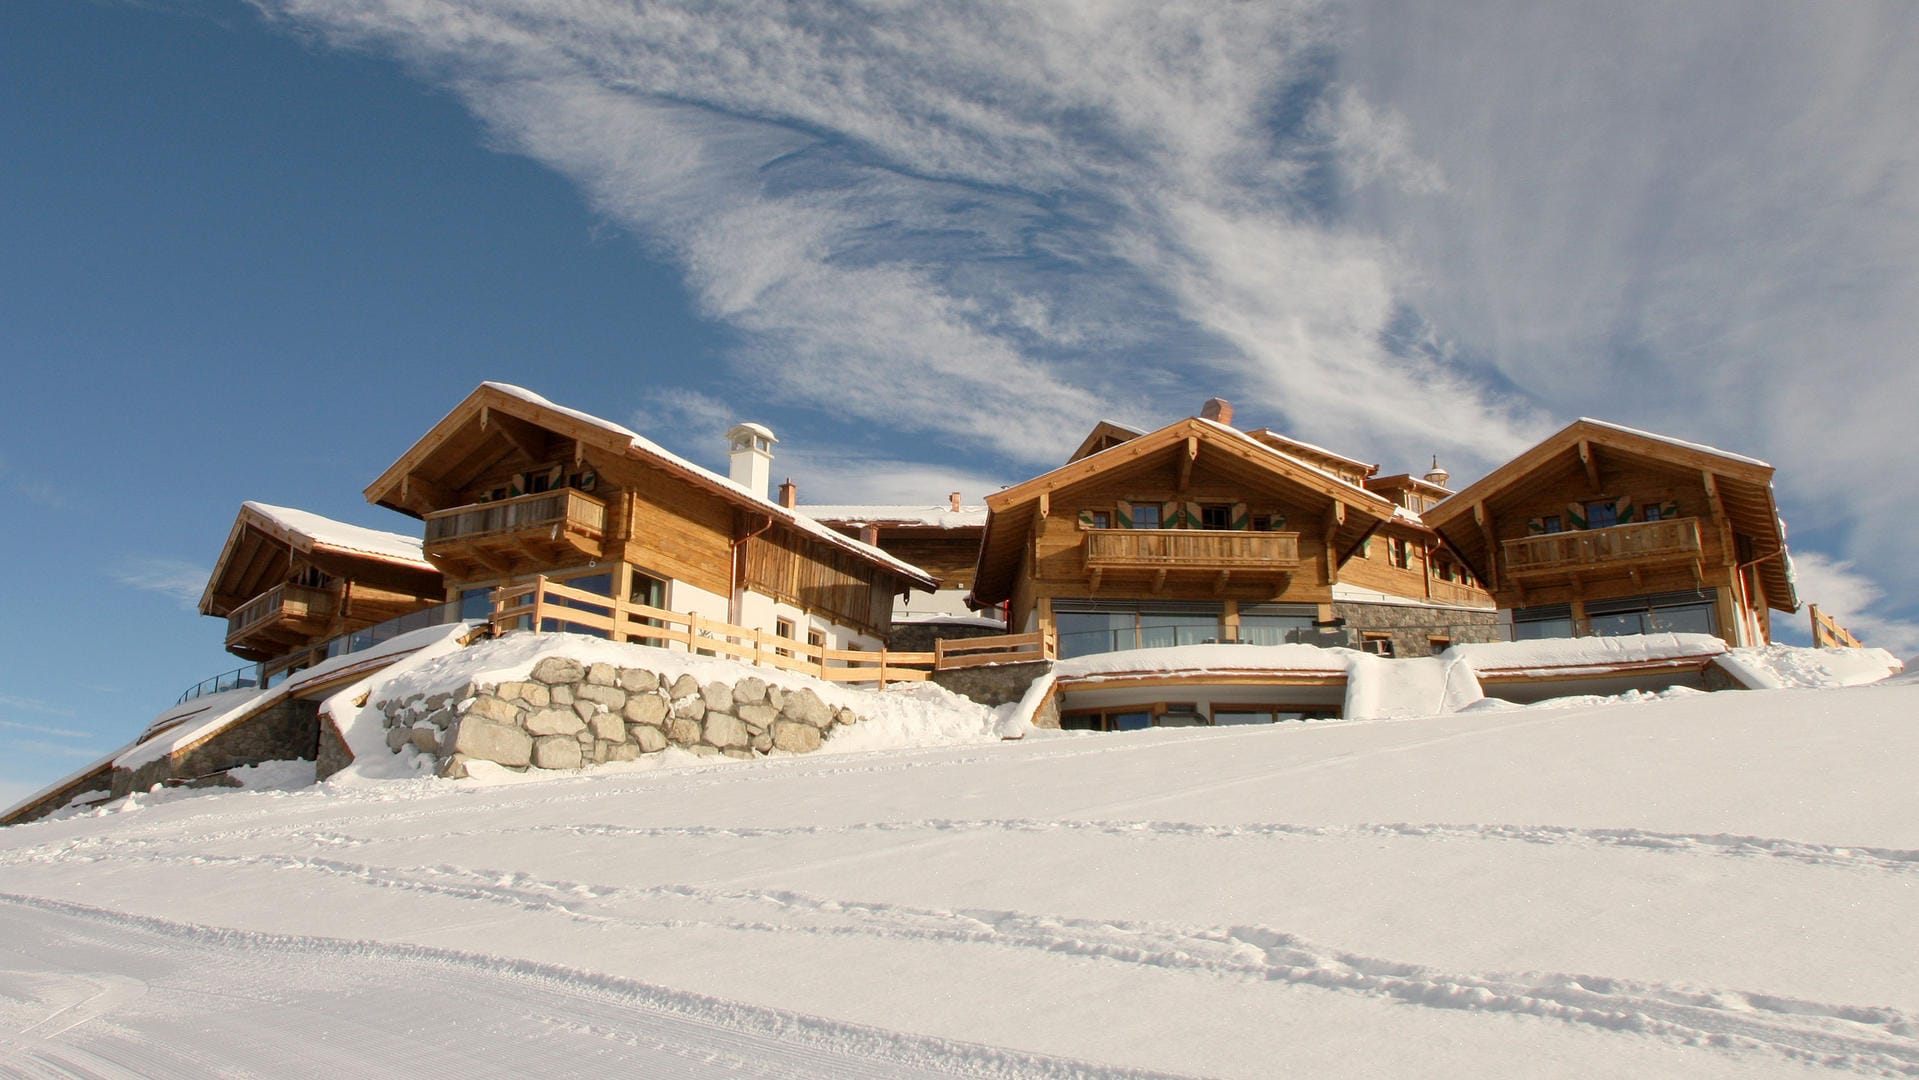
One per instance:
(1012,511)
(489,397)
(853,515)
(1104,435)
(1744,485)
(304,533)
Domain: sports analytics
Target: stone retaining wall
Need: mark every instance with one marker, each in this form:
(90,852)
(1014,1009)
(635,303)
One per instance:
(566,715)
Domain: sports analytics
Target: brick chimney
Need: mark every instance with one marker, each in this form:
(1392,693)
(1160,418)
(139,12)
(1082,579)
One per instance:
(1217,409)
(789,494)
(953,500)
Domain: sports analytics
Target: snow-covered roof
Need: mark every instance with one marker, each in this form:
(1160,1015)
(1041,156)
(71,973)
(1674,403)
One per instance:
(760,502)
(1669,440)
(1311,448)
(1370,496)
(942,516)
(1561,655)
(321,531)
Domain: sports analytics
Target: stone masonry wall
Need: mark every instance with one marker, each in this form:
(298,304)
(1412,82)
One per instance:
(1413,627)
(566,715)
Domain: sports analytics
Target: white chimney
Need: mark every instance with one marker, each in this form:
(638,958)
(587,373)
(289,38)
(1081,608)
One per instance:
(749,449)
(953,501)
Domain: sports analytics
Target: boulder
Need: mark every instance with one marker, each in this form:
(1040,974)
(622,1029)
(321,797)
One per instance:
(725,729)
(492,742)
(645,709)
(646,738)
(763,741)
(534,694)
(441,717)
(454,767)
(757,718)
(638,680)
(612,697)
(691,708)
(557,669)
(561,693)
(684,686)
(554,722)
(806,707)
(717,695)
(397,737)
(602,675)
(796,736)
(775,696)
(683,732)
(607,726)
(749,691)
(625,751)
(499,711)
(846,716)
(426,738)
(556,752)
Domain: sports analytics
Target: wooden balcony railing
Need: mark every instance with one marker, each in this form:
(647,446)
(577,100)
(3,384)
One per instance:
(574,511)
(1643,542)
(282,603)
(1452,592)
(1196,549)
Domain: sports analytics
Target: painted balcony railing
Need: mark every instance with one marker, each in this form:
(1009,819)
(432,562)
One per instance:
(1198,549)
(282,603)
(1617,545)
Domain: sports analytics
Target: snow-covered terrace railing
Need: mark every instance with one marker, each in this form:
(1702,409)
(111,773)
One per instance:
(1826,633)
(546,605)
(258,675)
(282,601)
(241,678)
(1645,541)
(1198,549)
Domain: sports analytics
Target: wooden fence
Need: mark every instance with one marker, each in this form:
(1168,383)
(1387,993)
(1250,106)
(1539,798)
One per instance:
(1826,633)
(540,604)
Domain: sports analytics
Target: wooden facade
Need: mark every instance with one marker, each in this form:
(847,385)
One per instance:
(1580,529)
(288,581)
(510,486)
(1196,513)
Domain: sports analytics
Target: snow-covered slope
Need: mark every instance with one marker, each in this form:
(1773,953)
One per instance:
(1703,886)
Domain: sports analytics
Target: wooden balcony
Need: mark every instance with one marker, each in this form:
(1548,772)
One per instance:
(542,530)
(1618,547)
(282,618)
(1172,551)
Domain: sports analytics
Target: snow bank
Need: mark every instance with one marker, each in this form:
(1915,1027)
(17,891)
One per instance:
(1378,688)
(1561,656)
(1199,659)
(1776,667)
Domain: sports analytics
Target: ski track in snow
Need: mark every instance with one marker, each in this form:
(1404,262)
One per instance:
(389,1001)
(1871,1040)
(1856,857)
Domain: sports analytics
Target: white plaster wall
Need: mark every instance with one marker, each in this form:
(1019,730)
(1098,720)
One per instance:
(943,602)
(682,598)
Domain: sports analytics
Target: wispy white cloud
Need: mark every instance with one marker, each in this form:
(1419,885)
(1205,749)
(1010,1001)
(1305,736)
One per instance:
(46,708)
(1856,602)
(41,729)
(182,581)
(989,225)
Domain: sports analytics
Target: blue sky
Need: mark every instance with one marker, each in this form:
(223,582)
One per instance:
(254,250)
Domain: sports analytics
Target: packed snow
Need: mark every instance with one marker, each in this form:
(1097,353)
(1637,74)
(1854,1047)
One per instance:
(326,532)
(1681,884)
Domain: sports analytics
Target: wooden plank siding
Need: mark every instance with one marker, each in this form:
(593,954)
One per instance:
(819,580)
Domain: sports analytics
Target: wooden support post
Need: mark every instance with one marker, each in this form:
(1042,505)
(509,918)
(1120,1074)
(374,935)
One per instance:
(1590,460)
(692,629)
(1188,455)
(1045,504)
(539,601)
(1484,519)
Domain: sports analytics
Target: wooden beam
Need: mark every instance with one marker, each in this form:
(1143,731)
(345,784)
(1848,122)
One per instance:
(1045,504)
(1092,581)
(1186,458)
(529,439)
(1333,521)
(419,493)
(1589,458)
(1159,579)
(1485,519)
(1219,586)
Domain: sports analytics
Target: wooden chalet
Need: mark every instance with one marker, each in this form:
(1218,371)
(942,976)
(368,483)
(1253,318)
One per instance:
(1602,529)
(510,485)
(287,581)
(1192,533)
(942,539)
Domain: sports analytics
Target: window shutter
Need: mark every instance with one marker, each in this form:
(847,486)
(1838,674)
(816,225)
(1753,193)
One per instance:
(1242,519)
(1576,514)
(1623,510)
(1170,514)
(1193,518)
(1123,514)
(1536,526)
(1278,521)
(1086,519)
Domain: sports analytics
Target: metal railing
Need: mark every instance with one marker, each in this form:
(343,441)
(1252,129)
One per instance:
(256,676)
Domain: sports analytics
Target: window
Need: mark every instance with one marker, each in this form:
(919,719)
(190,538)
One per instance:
(1100,519)
(1402,554)
(1379,644)
(783,628)
(1215,516)
(476,603)
(1146,517)
(1262,523)
(650,591)
(1649,512)
(1277,624)
(1437,645)
(1552,524)
(816,639)
(1086,627)
(1600,515)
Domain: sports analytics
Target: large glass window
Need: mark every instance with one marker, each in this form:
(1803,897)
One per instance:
(1146,517)
(1274,629)
(1088,627)
(1600,515)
